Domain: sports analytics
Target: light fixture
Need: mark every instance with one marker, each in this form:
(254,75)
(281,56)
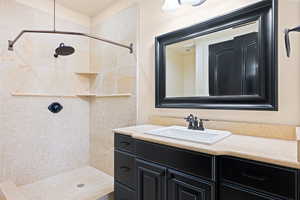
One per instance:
(192,2)
(199,2)
(171,5)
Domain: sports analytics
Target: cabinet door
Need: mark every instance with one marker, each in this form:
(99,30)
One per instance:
(185,187)
(151,181)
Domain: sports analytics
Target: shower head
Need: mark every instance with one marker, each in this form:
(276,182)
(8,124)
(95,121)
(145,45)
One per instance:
(63,50)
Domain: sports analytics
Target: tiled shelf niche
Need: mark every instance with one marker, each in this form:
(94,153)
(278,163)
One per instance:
(90,94)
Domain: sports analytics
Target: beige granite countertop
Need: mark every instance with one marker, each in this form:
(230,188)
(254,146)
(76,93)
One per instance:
(274,151)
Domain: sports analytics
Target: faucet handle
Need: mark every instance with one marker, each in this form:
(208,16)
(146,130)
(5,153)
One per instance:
(189,118)
(203,120)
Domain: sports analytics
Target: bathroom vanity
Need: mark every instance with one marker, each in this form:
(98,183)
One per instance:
(153,168)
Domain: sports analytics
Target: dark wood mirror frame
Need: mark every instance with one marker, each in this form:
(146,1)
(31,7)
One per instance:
(266,13)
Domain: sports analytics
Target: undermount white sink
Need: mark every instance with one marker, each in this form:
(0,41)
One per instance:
(207,136)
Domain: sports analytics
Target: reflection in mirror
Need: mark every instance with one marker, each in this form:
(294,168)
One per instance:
(223,63)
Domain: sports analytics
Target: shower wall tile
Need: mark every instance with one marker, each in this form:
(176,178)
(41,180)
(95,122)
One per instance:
(34,143)
(117,75)
(108,83)
(125,84)
(107,114)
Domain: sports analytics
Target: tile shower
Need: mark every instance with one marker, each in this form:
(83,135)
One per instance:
(35,143)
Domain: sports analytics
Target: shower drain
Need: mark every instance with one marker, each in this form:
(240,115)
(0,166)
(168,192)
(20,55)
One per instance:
(80,185)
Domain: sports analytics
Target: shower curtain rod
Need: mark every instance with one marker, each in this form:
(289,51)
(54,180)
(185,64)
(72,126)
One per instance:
(11,43)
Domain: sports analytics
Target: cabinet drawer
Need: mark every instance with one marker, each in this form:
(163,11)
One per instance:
(233,193)
(261,177)
(124,143)
(123,193)
(125,168)
(194,163)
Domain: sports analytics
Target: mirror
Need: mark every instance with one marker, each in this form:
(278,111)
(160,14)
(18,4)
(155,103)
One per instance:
(206,65)
(229,62)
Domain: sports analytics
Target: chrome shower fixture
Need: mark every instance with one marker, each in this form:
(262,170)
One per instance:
(64,50)
(287,39)
(11,43)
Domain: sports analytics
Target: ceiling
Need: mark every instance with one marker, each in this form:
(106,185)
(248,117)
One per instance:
(87,7)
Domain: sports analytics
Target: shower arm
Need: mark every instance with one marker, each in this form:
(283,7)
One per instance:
(11,43)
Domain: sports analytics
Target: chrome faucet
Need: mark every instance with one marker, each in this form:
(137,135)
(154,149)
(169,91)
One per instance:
(195,123)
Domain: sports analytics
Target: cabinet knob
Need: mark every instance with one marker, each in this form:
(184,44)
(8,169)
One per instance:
(125,169)
(125,143)
(253,177)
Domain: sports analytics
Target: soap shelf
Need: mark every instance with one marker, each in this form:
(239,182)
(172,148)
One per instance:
(105,95)
(86,95)
(71,96)
(40,95)
(87,73)
(115,95)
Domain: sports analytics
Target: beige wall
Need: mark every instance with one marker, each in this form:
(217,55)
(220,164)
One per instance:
(154,22)
(117,70)
(35,143)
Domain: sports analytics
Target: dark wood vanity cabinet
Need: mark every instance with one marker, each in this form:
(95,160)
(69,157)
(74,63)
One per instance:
(149,171)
